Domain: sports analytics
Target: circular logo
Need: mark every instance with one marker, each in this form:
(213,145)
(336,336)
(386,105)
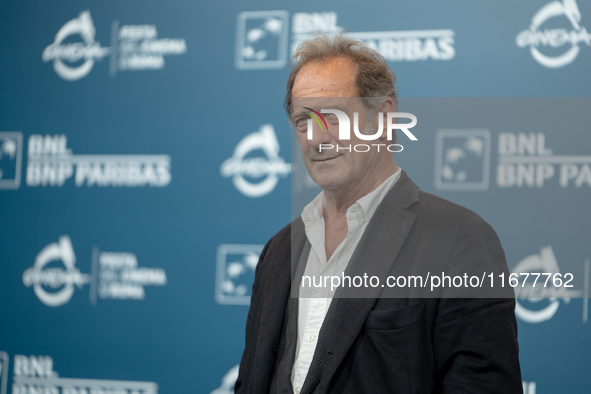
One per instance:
(535,36)
(39,276)
(544,262)
(270,167)
(88,50)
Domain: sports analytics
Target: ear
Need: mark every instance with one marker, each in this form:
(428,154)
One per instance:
(387,106)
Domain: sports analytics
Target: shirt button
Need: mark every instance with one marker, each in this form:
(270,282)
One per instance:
(298,389)
(311,338)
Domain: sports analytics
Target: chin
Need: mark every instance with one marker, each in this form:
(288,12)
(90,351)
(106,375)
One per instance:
(327,181)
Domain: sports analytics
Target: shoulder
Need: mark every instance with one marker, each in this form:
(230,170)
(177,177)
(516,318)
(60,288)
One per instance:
(441,224)
(430,211)
(282,239)
(278,247)
(466,243)
(443,214)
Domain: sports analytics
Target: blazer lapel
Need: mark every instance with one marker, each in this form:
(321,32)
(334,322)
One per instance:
(286,359)
(375,254)
(277,284)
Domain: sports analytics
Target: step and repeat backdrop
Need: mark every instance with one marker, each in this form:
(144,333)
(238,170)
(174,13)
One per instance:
(145,159)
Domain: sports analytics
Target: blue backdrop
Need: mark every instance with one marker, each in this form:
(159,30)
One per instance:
(145,159)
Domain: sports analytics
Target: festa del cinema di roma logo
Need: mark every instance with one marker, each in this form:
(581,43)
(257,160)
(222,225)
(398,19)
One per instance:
(114,275)
(536,37)
(134,47)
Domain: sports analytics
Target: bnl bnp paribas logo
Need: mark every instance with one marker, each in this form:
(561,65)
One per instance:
(75,48)
(36,374)
(54,275)
(463,161)
(262,39)
(50,162)
(555,34)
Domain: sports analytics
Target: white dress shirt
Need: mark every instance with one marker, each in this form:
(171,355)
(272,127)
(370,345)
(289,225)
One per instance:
(312,311)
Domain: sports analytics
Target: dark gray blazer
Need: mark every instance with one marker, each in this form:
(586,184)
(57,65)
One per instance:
(389,345)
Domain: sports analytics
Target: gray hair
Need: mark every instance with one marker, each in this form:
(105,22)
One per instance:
(374,79)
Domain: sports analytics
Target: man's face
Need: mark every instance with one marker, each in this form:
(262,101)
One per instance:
(331,85)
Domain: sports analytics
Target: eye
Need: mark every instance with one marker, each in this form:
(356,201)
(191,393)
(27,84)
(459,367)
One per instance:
(301,123)
(332,119)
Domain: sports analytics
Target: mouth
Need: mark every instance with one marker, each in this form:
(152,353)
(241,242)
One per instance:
(322,160)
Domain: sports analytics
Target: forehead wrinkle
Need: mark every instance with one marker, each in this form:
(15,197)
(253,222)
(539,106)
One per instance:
(327,87)
(332,77)
(345,104)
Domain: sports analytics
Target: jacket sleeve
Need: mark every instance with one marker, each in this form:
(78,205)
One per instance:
(251,326)
(475,338)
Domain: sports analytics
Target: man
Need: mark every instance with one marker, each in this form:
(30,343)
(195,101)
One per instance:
(371,219)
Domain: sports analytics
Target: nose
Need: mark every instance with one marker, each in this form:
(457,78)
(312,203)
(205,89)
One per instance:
(320,135)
